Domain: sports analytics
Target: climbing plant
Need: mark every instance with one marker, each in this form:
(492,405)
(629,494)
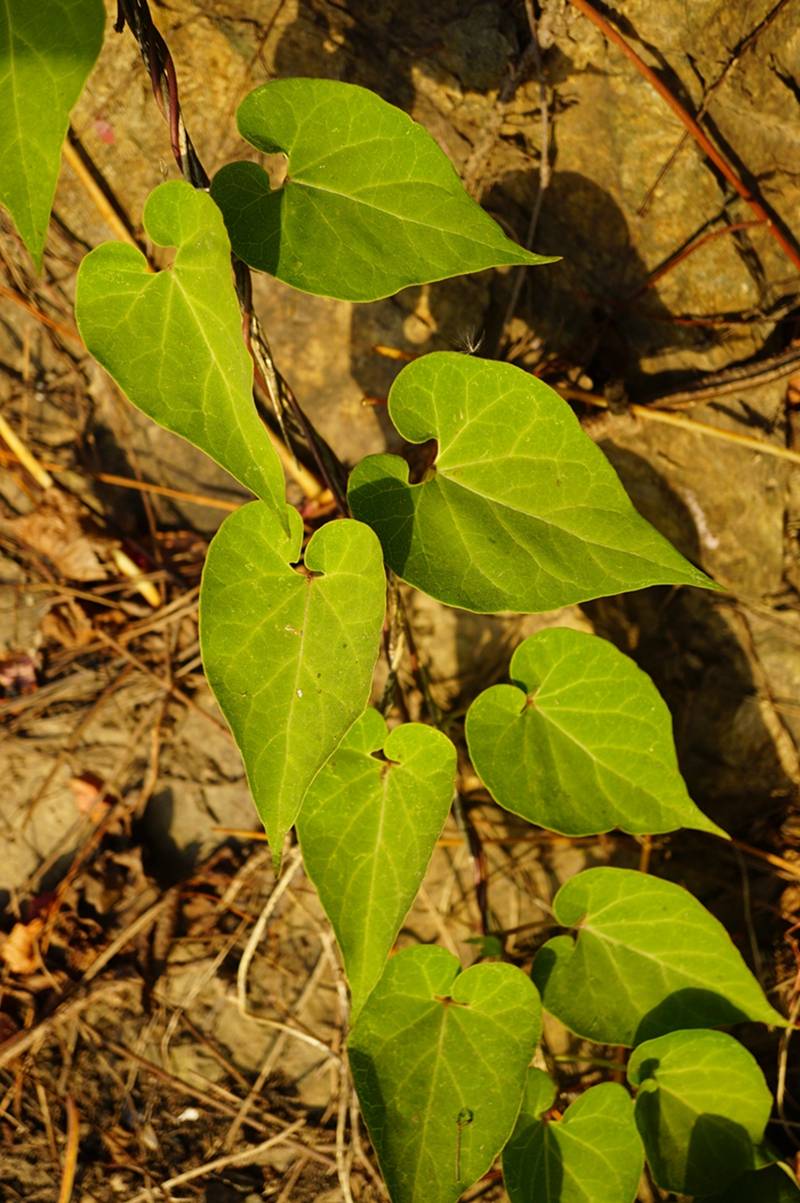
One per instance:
(516,510)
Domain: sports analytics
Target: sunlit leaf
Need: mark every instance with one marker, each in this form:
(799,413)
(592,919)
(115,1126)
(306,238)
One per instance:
(439,1060)
(521,511)
(648,959)
(370,203)
(46,53)
(367,829)
(581,742)
(172,340)
(592,1155)
(701,1109)
(289,654)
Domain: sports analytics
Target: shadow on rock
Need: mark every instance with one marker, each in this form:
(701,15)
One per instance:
(593,307)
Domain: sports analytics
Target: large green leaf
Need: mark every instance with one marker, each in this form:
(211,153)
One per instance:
(439,1060)
(370,203)
(581,742)
(46,53)
(592,1155)
(172,340)
(772,1185)
(648,959)
(367,829)
(521,510)
(289,655)
(701,1109)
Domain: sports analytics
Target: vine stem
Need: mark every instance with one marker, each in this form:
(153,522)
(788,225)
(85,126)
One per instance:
(294,423)
(695,131)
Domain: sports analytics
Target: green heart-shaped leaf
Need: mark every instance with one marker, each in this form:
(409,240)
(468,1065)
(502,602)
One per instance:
(776,1184)
(370,203)
(439,1060)
(173,340)
(368,828)
(581,742)
(592,1155)
(648,959)
(701,1110)
(289,655)
(46,54)
(521,510)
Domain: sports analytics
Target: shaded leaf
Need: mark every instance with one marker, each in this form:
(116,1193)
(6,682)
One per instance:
(772,1185)
(439,1060)
(648,959)
(370,203)
(701,1109)
(367,830)
(592,1155)
(173,340)
(289,655)
(46,54)
(581,742)
(521,510)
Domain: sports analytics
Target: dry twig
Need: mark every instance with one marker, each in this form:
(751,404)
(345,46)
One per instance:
(70,1153)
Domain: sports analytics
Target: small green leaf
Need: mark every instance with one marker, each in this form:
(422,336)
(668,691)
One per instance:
(488,946)
(773,1185)
(540,1095)
(581,742)
(368,828)
(521,510)
(289,655)
(701,1109)
(592,1155)
(648,959)
(173,340)
(370,203)
(439,1060)
(46,53)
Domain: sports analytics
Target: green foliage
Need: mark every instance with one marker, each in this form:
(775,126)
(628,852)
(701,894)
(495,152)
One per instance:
(701,1109)
(367,831)
(648,959)
(521,511)
(370,203)
(439,1060)
(173,340)
(592,1155)
(581,742)
(289,655)
(773,1185)
(46,53)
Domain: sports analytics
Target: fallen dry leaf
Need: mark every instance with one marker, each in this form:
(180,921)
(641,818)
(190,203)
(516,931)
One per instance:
(20,948)
(54,530)
(89,795)
(17,675)
(68,627)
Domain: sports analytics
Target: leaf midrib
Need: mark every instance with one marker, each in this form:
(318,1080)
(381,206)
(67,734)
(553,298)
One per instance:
(402,218)
(603,938)
(504,505)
